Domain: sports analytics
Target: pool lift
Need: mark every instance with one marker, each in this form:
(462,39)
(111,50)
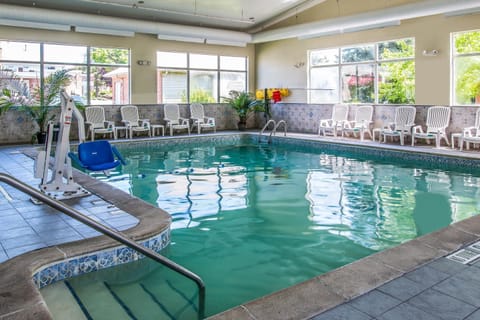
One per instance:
(60,185)
(274,129)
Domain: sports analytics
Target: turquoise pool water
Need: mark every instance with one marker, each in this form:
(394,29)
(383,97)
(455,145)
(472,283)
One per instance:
(253,219)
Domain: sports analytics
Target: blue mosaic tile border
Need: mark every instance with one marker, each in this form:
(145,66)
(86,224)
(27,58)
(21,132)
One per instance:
(378,154)
(69,268)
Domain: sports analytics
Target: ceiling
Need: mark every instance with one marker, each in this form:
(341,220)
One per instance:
(240,15)
(216,22)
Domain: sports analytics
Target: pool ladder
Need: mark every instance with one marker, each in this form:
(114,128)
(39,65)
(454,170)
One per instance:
(274,130)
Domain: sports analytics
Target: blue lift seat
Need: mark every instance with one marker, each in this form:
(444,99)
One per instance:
(97,156)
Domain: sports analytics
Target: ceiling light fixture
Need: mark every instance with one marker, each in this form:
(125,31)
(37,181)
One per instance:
(34,25)
(111,32)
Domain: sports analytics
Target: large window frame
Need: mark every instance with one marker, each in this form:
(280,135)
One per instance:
(465,68)
(189,67)
(79,61)
(367,66)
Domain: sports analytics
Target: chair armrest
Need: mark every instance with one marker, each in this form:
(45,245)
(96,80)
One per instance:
(184,121)
(326,123)
(145,123)
(110,124)
(417,129)
(210,120)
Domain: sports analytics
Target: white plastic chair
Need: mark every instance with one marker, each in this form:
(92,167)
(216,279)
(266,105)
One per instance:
(95,120)
(402,124)
(438,118)
(361,124)
(471,134)
(197,114)
(173,119)
(133,122)
(339,116)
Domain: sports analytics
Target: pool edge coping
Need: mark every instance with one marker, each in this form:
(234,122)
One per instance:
(296,302)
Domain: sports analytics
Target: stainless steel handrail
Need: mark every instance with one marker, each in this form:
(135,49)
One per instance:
(266,126)
(110,233)
(278,125)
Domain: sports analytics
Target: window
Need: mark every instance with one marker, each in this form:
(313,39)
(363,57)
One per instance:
(95,75)
(372,73)
(189,77)
(466,68)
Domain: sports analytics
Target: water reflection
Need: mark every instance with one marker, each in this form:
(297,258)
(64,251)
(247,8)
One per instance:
(374,204)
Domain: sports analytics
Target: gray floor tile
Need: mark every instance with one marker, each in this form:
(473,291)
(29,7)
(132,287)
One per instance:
(427,276)
(20,242)
(470,274)
(374,303)
(401,288)
(342,312)
(474,316)
(17,232)
(441,305)
(447,266)
(467,291)
(405,311)
(13,252)
(13,221)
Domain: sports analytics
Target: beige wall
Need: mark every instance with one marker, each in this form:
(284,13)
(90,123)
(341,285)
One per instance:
(275,60)
(143,47)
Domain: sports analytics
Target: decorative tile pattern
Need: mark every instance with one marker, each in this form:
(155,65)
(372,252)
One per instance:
(96,261)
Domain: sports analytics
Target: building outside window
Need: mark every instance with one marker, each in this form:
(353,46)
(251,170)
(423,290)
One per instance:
(466,68)
(382,72)
(189,77)
(97,75)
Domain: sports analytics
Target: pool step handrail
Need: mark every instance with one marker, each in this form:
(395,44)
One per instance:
(266,126)
(274,129)
(113,234)
(284,127)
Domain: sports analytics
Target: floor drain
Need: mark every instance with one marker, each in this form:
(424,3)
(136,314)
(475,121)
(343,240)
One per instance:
(466,255)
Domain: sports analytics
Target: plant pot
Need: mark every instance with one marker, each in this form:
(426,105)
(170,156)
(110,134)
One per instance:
(242,126)
(41,137)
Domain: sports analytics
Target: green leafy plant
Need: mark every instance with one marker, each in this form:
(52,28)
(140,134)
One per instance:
(13,91)
(48,98)
(244,103)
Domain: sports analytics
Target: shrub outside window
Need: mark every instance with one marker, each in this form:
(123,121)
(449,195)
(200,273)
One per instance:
(383,72)
(466,68)
(188,77)
(96,75)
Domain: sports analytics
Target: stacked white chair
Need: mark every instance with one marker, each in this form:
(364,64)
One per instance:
(334,124)
(199,120)
(95,120)
(438,119)
(133,122)
(173,119)
(361,124)
(402,124)
(471,134)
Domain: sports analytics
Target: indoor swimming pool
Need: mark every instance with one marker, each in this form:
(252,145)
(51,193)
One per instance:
(253,218)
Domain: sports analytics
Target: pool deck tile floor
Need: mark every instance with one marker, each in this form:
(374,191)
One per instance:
(25,226)
(412,281)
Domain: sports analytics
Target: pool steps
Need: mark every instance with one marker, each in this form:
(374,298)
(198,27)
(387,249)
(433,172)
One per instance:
(100,299)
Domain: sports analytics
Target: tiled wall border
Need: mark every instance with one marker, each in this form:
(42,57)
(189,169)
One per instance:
(95,261)
(368,152)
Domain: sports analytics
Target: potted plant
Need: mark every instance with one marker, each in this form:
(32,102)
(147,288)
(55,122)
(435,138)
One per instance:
(49,100)
(245,104)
